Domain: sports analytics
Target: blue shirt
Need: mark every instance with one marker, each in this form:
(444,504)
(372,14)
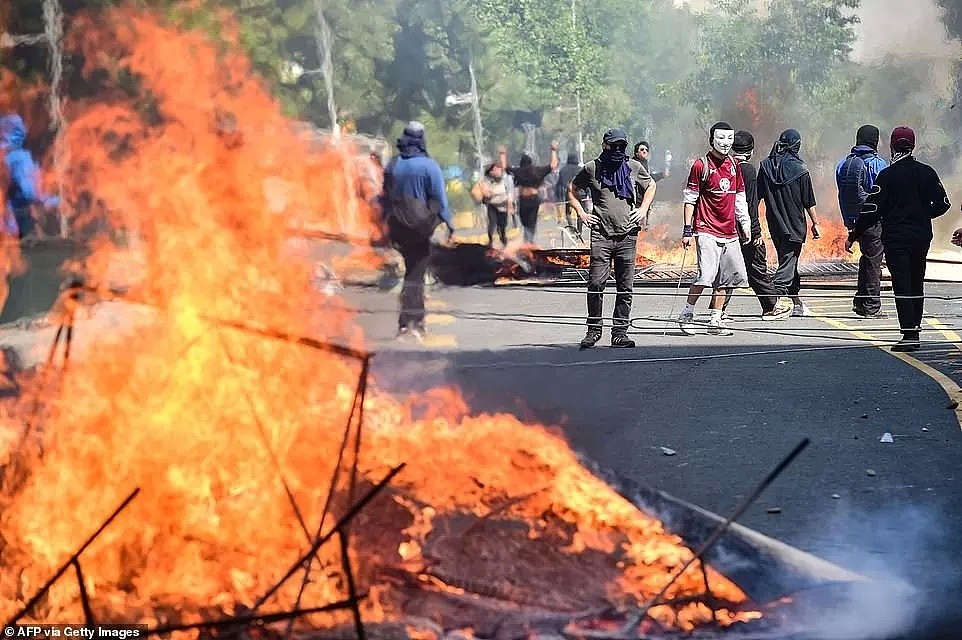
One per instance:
(420,177)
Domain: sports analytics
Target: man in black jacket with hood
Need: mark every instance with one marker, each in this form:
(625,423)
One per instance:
(906,197)
(855,176)
(756,260)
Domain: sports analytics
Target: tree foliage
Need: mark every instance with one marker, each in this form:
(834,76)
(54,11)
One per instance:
(652,68)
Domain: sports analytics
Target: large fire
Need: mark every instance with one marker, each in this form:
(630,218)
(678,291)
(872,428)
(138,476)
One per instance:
(198,174)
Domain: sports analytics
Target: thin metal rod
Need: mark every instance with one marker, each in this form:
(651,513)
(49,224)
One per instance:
(719,531)
(273,334)
(264,618)
(674,297)
(84,596)
(346,518)
(262,431)
(351,586)
(73,558)
(709,596)
(357,405)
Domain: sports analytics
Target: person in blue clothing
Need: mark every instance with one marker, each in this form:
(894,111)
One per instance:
(23,191)
(855,176)
(414,202)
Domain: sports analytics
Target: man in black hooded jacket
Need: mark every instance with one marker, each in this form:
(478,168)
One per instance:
(906,197)
(785,188)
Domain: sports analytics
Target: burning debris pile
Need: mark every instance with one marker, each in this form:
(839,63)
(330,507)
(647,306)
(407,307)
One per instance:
(232,427)
(468,264)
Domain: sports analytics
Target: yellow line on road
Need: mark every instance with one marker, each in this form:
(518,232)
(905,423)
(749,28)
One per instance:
(950,386)
(439,319)
(434,304)
(442,340)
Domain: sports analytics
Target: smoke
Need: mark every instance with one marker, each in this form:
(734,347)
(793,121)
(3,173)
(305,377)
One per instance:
(906,552)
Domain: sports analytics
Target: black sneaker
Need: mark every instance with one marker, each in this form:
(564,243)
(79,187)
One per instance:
(878,315)
(591,339)
(622,342)
(907,344)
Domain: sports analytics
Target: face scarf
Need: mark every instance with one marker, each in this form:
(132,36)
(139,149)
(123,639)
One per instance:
(409,146)
(783,166)
(615,174)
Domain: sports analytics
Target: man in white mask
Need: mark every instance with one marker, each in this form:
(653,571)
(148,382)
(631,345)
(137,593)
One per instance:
(716,217)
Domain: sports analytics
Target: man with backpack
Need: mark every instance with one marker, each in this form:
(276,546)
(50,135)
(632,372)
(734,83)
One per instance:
(855,177)
(907,196)
(716,217)
(414,202)
(613,181)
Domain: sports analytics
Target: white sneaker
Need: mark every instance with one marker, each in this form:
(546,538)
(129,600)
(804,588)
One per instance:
(716,327)
(801,311)
(686,322)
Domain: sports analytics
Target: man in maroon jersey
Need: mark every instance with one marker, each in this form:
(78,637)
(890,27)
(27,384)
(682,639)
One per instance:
(716,217)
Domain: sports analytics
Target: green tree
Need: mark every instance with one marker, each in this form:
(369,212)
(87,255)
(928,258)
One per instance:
(761,68)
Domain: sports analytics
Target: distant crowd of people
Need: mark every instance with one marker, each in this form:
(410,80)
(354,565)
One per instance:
(887,207)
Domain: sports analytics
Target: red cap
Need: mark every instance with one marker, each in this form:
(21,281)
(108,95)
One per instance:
(903,140)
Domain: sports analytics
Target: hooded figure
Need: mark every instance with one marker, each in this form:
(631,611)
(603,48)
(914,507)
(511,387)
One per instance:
(855,178)
(754,252)
(414,203)
(906,197)
(783,165)
(785,186)
(23,190)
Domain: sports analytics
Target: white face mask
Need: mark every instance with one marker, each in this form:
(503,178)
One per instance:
(723,140)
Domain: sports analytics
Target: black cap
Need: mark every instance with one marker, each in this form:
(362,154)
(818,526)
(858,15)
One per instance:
(615,135)
(744,142)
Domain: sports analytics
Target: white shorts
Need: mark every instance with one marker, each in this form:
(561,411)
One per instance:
(720,262)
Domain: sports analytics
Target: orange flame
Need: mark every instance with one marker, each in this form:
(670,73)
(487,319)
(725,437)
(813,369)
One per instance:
(199,175)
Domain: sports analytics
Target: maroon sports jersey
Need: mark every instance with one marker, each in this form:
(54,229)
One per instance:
(715,207)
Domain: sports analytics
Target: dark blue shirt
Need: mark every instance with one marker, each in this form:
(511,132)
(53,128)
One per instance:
(420,177)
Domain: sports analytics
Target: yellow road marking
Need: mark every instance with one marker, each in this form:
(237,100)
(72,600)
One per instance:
(434,304)
(439,319)
(946,331)
(949,386)
(431,340)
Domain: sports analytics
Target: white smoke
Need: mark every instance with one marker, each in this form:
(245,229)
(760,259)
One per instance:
(905,551)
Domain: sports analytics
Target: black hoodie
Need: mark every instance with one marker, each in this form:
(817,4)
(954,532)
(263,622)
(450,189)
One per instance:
(906,197)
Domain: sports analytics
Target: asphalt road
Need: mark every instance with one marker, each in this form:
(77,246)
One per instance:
(729,407)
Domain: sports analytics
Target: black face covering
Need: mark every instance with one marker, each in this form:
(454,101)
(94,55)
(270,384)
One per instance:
(783,165)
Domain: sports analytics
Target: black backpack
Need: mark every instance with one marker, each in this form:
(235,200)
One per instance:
(407,211)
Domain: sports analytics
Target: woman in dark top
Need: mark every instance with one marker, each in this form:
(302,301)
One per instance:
(527,179)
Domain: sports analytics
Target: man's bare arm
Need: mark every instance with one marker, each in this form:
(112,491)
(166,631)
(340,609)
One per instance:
(576,205)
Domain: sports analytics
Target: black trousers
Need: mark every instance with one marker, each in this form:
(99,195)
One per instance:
(868,296)
(907,266)
(416,251)
(606,250)
(756,264)
(497,220)
(786,279)
(528,207)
